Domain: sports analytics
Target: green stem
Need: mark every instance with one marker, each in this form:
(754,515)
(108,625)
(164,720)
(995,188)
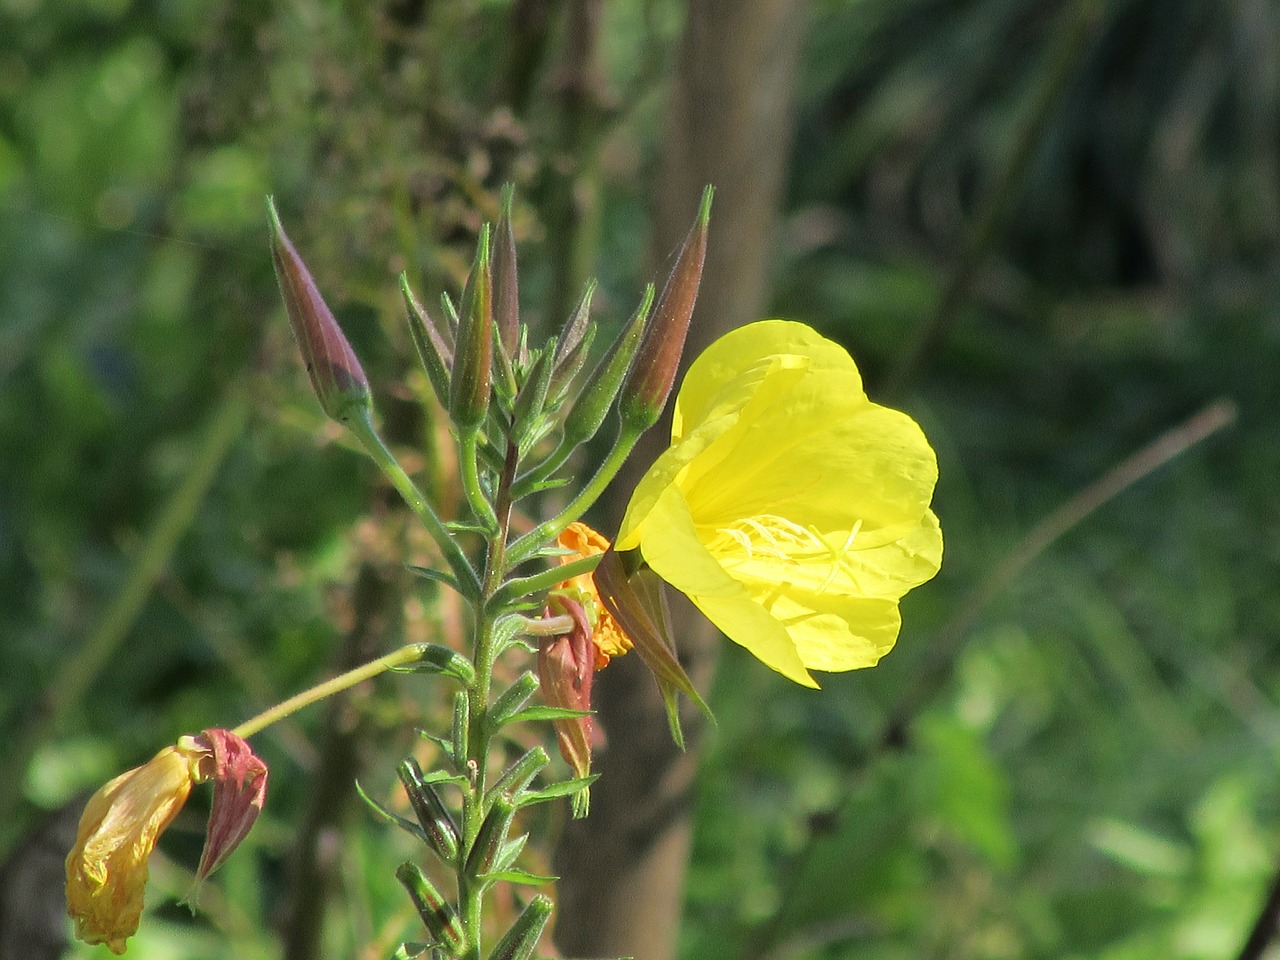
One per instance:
(475,801)
(546,579)
(524,547)
(544,470)
(362,427)
(337,684)
(468,459)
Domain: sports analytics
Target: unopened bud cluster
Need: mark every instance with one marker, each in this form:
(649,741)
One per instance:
(477,357)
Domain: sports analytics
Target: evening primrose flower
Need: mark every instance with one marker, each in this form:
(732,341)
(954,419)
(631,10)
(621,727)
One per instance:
(107,866)
(790,509)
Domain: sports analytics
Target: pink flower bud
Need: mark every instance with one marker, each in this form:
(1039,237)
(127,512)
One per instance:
(336,374)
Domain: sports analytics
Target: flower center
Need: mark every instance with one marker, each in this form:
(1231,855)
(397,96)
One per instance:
(769,540)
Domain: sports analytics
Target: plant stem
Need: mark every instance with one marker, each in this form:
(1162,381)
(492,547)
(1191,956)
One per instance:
(327,689)
(467,461)
(475,802)
(362,427)
(524,547)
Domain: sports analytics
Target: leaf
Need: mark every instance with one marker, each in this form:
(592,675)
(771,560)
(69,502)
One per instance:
(564,788)
(438,576)
(517,876)
(547,713)
(399,821)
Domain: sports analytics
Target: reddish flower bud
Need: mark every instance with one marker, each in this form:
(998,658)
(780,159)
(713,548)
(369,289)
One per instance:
(649,384)
(506,295)
(336,374)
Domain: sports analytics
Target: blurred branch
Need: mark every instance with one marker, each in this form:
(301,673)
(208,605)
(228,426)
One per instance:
(573,214)
(767,940)
(77,673)
(1082,22)
(730,124)
(1265,928)
(317,853)
(529,32)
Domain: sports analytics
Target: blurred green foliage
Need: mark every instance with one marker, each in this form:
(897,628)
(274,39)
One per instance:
(1096,773)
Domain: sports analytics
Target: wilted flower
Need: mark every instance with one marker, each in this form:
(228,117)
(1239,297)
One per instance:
(789,508)
(107,866)
(566,670)
(607,636)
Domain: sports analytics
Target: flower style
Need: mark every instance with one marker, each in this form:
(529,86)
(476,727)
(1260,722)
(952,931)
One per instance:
(107,866)
(790,509)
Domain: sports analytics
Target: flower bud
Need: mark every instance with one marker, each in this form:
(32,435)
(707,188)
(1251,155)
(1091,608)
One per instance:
(519,942)
(647,388)
(493,832)
(517,776)
(433,350)
(512,700)
(506,296)
(593,403)
(433,816)
(472,382)
(336,374)
(571,350)
(437,914)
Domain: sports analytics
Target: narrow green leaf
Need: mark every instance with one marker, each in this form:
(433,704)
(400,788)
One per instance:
(547,713)
(438,576)
(517,876)
(401,822)
(563,789)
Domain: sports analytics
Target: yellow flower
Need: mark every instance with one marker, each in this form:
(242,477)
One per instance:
(790,509)
(107,867)
(610,640)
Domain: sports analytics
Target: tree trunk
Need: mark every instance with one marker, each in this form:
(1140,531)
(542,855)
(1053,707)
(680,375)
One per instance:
(730,125)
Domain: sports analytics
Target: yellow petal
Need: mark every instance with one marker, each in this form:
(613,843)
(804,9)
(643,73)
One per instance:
(107,866)
(724,368)
(792,510)
(680,558)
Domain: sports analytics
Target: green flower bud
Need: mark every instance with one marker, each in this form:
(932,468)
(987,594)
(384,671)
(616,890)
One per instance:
(433,816)
(648,386)
(597,396)
(493,832)
(433,349)
(472,382)
(512,700)
(437,914)
(519,942)
(517,776)
(336,374)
